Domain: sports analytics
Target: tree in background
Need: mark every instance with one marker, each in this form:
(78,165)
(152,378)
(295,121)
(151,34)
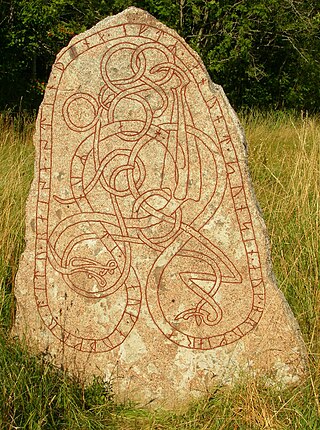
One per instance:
(265,53)
(31,33)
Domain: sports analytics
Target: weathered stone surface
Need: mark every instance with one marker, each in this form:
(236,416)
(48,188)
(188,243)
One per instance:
(147,259)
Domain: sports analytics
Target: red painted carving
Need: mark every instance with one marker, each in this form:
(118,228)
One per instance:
(139,117)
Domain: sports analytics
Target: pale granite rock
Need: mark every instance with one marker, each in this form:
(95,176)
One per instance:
(147,259)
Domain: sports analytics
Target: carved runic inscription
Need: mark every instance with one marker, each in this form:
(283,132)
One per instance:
(138,185)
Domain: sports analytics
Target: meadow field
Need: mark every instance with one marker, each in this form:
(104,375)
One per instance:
(284,160)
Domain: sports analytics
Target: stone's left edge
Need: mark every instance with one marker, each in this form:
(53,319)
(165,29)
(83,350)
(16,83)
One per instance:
(37,213)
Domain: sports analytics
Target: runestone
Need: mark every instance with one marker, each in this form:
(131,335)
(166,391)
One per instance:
(147,260)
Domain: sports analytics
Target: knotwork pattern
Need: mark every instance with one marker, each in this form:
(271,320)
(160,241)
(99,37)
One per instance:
(161,179)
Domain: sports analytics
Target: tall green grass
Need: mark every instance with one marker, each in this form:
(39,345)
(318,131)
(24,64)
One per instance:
(284,158)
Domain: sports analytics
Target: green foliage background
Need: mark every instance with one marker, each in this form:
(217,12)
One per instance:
(265,53)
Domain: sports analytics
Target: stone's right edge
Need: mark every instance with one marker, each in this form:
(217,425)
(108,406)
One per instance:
(277,348)
(150,365)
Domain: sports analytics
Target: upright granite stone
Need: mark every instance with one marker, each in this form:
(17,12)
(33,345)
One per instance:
(147,259)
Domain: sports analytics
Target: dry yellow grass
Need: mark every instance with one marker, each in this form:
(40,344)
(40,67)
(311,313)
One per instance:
(284,158)
(16,167)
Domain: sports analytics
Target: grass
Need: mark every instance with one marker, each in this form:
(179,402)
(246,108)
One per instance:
(285,168)
(284,158)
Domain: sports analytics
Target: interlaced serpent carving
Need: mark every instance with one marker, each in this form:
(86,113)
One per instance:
(162,179)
